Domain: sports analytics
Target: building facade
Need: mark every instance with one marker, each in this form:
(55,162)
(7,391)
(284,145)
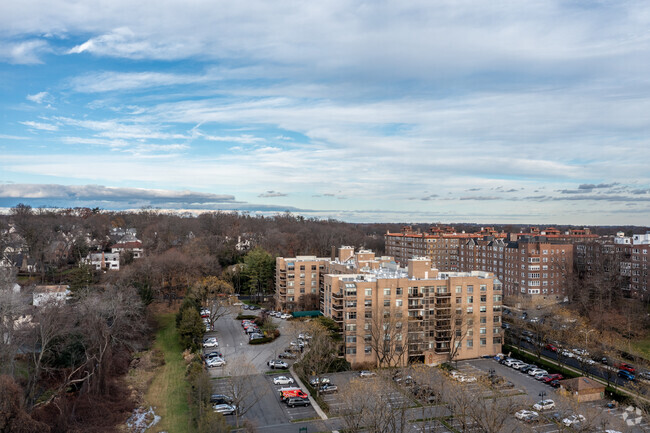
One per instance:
(391,315)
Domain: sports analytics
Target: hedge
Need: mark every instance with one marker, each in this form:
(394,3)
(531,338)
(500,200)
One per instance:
(261,340)
(246,317)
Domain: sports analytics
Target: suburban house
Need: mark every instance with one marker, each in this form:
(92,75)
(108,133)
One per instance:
(99,261)
(43,295)
(128,243)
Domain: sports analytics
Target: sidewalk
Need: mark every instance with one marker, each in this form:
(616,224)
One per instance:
(315,405)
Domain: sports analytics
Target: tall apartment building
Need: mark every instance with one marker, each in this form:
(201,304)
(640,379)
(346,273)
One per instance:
(440,244)
(296,277)
(303,275)
(391,315)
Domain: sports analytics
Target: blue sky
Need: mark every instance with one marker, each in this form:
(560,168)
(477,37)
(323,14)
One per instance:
(504,111)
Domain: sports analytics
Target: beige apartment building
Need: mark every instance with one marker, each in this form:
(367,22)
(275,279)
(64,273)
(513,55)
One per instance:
(303,275)
(392,316)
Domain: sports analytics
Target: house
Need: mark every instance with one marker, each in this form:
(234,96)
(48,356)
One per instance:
(99,261)
(583,389)
(43,295)
(128,243)
(22,262)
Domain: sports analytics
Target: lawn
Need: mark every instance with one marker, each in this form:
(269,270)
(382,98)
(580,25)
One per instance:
(168,390)
(643,346)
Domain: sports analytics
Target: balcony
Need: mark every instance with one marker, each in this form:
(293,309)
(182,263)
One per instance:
(442,295)
(337,295)
(337,307)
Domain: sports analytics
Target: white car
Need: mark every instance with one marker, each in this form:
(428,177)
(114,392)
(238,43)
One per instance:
(286,316)
(523,414)
(225,409)
(536,371)
(366,373)
(544,405)
(282,380)
(567,353)
(518,365)
(468,379)
(210,342)
(215,362)
(573,419)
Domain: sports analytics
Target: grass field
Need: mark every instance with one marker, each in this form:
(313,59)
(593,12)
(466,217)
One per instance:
(643,346)
(168,391)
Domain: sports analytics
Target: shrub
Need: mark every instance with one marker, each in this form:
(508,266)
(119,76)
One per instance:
(245,317)
(261,340)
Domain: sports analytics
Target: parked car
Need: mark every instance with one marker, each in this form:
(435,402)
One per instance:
(278,363)
(551,377)
(524,413)
(550,347)
(518,365)
(297,401)
(214,354)
(544,405)
(304,336)
(286,316)
(287,355)
(210,342)
(225,409)
(645,375)
(527,368)
(328,388)
(255,336)
(573,420)
(625,375)
(215,362)
(626,367)
(554,383)
(540,376)
(366,373)
(320,381)
(282,380)
(536,371)
(220,399)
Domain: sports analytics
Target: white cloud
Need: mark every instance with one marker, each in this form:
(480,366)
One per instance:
(122,81)
(41,126)
(40,97)
(23,53)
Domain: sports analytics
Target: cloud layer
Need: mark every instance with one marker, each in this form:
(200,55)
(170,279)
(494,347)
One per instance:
(447,109)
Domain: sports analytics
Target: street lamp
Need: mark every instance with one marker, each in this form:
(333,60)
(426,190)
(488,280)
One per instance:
(586,334)
(542,395)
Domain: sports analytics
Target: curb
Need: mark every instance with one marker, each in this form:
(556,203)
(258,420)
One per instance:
(315,405)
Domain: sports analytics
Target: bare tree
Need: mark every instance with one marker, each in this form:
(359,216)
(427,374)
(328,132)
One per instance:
(13,304)
(367,405)
(388,337)
(241,386)
(460,326)
(322,351)
(216,295)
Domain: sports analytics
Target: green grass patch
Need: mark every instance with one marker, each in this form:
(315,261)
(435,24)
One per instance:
(168,390)
(643,347)
(305,419)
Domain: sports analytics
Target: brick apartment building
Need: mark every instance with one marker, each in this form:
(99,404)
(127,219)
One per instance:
(391,315)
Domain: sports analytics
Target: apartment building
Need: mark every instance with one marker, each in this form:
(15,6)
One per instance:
(303,275)
(391,315)
(295,278)
(440,244)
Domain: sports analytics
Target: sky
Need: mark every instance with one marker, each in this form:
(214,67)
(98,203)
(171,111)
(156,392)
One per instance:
(362,111)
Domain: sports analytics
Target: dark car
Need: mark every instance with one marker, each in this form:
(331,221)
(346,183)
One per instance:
(214,355)
(297,401)
(555,383)
(220,399)
(625,375)
(287,355)
(525,368)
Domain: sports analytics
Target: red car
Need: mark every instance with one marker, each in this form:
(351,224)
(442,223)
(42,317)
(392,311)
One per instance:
(551,377)
(550,347)
(626,367)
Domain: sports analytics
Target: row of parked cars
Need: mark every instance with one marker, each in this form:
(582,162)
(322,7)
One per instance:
(251,329)
(280,315)
(532,370)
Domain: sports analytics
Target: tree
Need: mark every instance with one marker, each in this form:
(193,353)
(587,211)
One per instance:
(260,269)
(190,329)
(388,337)
(309,302)
(13,417)
(241,386)
(322,351)
(215,295)
(12,306)
(459,325)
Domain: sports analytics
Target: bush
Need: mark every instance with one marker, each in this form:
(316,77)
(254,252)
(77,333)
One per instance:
(261,340)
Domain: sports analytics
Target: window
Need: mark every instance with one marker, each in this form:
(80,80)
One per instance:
(483,298)
(483,330)
(367,314)
(386,302)
(470,289)
(367,303)
(496,330)
(483,341)
(459,289)
(351,315)
(459,300)
(398,302)
(496,319)
(496,340)
(302,267)
(387,292)
(351,339)
(351,350)
(351,327)
(368,292)
(470,310)
(367,350)
(497,298)
(470,343)
(483,319)
(484,287)
(398,291)
(470,299)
